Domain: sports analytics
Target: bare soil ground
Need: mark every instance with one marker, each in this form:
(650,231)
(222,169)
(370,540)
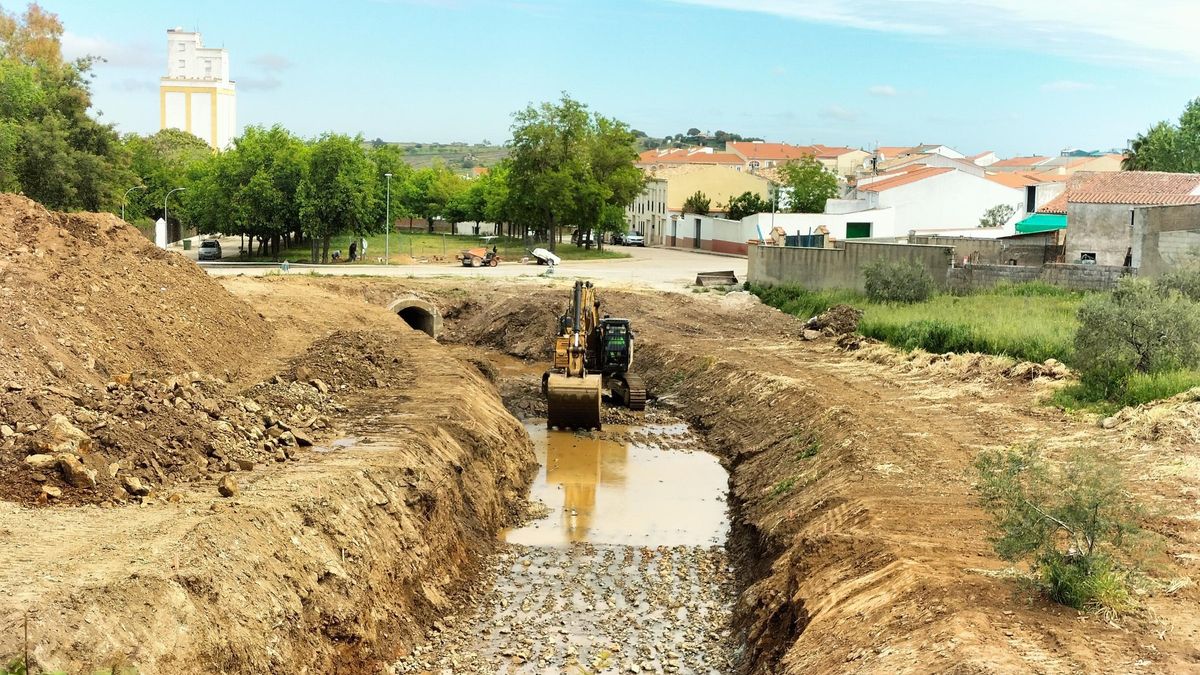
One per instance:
(298,487)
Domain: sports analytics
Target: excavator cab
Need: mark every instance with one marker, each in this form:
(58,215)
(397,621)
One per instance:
(616,346)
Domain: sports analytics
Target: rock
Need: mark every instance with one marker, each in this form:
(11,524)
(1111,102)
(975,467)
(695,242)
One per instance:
(320,386)
(245,464)
(280,456)
(85,416)
(275,432)
(51,491)
(57,368)
(811,334)
(251,407)
(302,438)
(287,438)
(6,431)
(302,374)
(123,379)
(1108,422)
(133,485)
(228,487)
(62,436)
(75,473)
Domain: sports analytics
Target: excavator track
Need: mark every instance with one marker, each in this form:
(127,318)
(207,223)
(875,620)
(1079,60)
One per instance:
(572,402)
(630,390)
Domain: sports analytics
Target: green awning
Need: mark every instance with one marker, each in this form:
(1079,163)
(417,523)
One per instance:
(1042,222)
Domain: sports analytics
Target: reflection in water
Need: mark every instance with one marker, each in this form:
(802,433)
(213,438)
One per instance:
(606,492)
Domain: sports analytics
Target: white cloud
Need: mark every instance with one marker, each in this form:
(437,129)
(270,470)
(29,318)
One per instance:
(1150,32)
(135,55)
(272,62)
(882,90)
(1067,85)
(837,112)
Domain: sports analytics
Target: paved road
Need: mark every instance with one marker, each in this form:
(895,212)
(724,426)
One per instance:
(655,267)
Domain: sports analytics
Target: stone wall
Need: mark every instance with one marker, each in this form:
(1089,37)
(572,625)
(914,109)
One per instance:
(1033,249)
(1064,275)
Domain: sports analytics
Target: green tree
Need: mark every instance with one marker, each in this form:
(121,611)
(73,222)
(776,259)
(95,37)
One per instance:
(697,204)
(1136,328)
(390,159)
(431,192)
(337,192)
(808,184)
(747,204)
(494,188)
(1166,146)
(997,216)
(162,161)
(50,148)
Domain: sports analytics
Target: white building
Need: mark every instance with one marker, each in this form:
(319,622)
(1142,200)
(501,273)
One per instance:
(197,95)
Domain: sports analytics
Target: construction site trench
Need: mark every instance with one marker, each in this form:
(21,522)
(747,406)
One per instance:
(307,474)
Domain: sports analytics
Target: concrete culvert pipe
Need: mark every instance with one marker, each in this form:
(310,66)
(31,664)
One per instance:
(419,314)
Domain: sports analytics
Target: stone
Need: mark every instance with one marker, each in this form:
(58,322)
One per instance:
(251,407)
(40,462)
(1108,422)
(133,485)
(245,464)
(280,456)
(302,438)
(75,473)
(228,487)
(287,438)
(303,374)
(123,379)
(57,368)
(51,491)
(320,386)
(811,334)
(62,436)
(6,431)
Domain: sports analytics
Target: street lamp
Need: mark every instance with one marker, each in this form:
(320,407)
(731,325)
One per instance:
(168,195)
(387,223)
(126,198)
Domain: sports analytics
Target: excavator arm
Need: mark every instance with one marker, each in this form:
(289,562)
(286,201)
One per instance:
(572,393)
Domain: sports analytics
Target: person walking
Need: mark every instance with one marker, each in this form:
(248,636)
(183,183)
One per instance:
(353,250)
(362,249)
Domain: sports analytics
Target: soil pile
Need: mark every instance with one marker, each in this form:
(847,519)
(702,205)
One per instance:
(514,326)
(84,297)
(835,321)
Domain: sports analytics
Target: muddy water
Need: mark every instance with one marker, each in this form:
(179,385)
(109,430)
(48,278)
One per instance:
(603,491)
(626,572)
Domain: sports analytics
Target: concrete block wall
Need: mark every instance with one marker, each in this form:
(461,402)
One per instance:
(820,268)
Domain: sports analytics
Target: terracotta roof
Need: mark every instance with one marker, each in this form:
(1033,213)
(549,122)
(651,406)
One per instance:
(831,152)
(1020,179)
(905,178)
(979,154)
(1033,160)
(687,156)
(751,150)
(893,150)
(1136,188)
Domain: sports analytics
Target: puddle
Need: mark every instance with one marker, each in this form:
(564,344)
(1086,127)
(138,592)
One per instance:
(604,492)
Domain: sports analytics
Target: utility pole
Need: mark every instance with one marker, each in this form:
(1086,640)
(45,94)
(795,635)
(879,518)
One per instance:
(387,225)
(126,198)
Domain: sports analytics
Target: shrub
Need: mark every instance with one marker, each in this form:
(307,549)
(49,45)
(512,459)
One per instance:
(903,282)
(1185,281)
(1074,525)
(1135,329)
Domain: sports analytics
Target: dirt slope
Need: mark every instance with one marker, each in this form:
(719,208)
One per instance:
(859,532)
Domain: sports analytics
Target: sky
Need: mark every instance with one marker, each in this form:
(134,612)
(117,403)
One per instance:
(1013,76)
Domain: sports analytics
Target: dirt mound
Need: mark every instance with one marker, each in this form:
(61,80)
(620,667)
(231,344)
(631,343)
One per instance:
(970,366)
(1175,421)
(835,321)
(519,326)
(84,296)
(350,360)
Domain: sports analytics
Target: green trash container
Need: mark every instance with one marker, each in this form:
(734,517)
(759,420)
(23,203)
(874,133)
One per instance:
(187,244)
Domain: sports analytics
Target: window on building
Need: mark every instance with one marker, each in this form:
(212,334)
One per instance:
(179,47)
(858,230)
(181,64)
(208,66)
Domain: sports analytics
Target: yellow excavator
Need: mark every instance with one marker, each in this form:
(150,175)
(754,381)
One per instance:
(591,354)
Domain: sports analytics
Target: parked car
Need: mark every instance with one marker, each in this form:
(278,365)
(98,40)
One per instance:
(210,249)
(583,238)
(633,239)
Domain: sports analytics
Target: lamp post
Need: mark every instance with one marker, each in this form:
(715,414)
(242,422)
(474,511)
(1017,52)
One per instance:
(387,224)
(126,198)
(168,196)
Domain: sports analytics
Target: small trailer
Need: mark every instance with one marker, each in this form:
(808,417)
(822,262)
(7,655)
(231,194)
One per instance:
(478,257)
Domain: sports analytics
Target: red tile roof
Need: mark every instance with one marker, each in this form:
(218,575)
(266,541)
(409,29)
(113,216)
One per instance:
(1020,179)
(1136,188)
(775,151)
(905,178)
(1020,161)
(831,152)
(893,151)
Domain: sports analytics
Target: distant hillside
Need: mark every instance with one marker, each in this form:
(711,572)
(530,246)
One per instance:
(691,138)
(457,156)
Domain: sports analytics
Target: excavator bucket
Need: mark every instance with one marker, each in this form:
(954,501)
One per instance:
(573,402)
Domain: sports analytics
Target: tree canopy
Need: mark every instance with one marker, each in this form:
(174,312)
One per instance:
(747,204)
(697,203)
(1168,147)
(809,185)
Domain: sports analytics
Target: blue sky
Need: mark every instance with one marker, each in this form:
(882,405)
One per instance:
(1015,76)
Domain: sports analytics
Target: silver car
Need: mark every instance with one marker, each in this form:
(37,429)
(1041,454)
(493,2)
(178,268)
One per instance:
(210,249)
(633,239)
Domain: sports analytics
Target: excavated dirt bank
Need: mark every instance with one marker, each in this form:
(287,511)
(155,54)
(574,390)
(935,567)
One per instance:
(856,529)
(275,479)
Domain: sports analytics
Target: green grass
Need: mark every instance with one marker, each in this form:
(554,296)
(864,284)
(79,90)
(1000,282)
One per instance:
(1032,322)
(407,245)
